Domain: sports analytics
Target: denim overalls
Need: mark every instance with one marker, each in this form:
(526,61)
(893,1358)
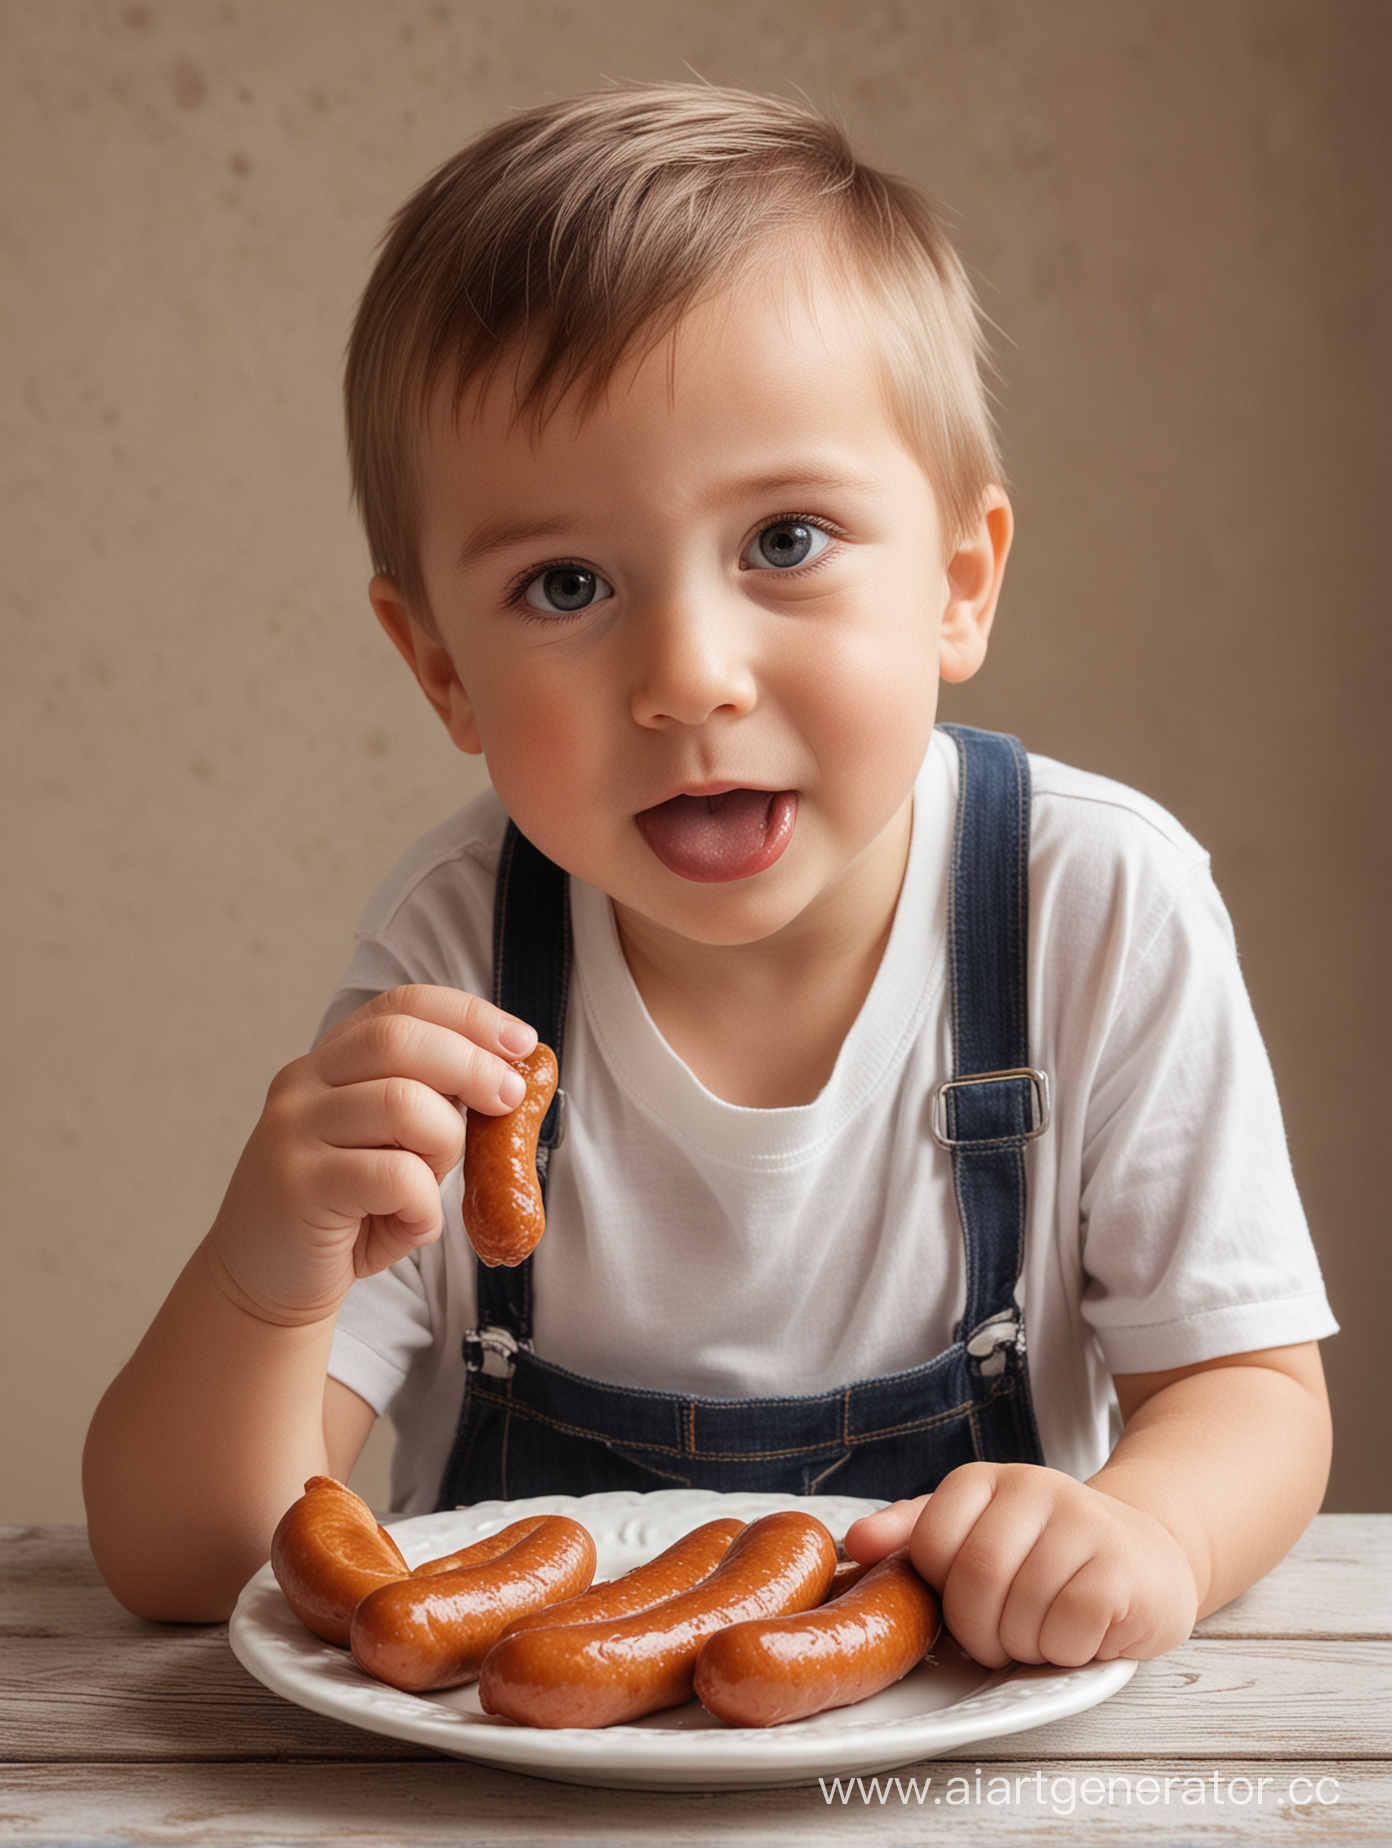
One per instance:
(527,1427)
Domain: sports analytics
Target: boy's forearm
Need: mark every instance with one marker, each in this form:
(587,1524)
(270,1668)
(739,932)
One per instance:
(199,1445)
(1232,1458)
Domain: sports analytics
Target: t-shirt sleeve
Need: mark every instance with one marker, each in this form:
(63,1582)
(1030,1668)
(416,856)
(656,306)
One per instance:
(375,969)
(1195,1243)
(384,1321)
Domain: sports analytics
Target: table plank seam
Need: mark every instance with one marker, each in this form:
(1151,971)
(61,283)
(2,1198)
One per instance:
(1287,1636)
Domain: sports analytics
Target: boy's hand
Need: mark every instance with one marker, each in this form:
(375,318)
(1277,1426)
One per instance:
(1034,1566)
(341,1176)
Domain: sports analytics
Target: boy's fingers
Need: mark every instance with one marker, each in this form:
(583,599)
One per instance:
(870,1538)
(969,1547)
(393,1112)
(949,1517)
(454,1009)
(385,1241)
(1054,1589)
(1079,1615)
(386,1043)
(382,1184)
(461,1012)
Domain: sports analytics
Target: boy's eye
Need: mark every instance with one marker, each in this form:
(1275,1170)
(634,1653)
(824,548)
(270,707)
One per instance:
(563,589)
(786,543)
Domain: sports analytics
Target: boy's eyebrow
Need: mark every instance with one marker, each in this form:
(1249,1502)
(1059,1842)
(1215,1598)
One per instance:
(749,487)
(498,535)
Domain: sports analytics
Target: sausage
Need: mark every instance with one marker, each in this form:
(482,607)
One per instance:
(784,1668)
(480,1551)
(682,1567)
(327,1553)
(603,1673)
(848,1572)
(503,1212)
(432,1632)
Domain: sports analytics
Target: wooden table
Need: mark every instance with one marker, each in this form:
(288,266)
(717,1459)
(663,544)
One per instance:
(117,1731)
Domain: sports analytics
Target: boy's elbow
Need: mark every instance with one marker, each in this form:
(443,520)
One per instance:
(147,1566)
(155,1588)
(157,1604)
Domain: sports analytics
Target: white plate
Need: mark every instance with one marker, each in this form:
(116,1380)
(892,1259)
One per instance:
(947,1702)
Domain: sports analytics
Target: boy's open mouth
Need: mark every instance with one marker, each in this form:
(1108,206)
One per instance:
(728,836)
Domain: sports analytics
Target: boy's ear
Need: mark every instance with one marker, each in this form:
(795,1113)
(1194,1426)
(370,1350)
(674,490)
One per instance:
(429,660)
(974,574)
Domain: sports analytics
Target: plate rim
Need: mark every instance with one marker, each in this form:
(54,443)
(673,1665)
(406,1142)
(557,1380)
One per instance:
(268,1641)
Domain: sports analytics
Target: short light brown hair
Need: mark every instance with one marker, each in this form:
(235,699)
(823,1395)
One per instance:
(579,233)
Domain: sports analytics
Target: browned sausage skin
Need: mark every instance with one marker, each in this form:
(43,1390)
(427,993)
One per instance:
(479,1552)
(503,1212)
(601,1674)
(328,1553)
(432,1631)
(683,1566)
(785,1668)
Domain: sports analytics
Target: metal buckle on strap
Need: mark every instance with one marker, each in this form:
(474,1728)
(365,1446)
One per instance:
(987,1343)
(1041,1112)
(491,1351)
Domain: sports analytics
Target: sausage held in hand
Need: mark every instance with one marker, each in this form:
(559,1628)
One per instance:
(503,1212)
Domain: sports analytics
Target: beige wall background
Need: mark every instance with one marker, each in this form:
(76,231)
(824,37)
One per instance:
(1177,212)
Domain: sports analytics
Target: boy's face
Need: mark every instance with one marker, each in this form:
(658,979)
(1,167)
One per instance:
(698,632)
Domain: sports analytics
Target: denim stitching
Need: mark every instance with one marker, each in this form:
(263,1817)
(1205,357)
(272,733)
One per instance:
(955,1413)
(813,1484)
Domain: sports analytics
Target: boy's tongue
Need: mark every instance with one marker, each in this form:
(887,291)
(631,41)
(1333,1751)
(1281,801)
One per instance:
(729,836)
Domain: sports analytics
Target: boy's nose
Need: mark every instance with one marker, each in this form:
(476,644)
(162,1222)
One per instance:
(689,665)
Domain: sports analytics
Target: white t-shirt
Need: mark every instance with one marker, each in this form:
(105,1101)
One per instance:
(699,1246)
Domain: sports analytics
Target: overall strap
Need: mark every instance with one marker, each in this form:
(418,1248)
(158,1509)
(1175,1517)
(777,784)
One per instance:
(995,1102)
(531,979)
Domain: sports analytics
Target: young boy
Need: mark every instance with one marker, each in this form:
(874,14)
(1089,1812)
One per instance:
(879,1043)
